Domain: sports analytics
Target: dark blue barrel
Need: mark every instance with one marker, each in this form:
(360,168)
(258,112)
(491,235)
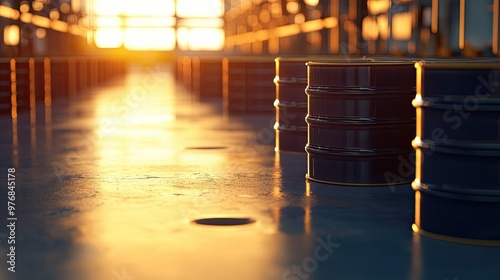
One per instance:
(5,86)
(360,122)
(248,86)
(81,79)
(291,104)
(22,83)
(59,77)
(39,79)
(457,180)
(207,77)
(291,100)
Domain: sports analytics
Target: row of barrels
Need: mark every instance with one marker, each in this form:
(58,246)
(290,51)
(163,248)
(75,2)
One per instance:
(385,121)
(382,121)
(25,81)
(245,84)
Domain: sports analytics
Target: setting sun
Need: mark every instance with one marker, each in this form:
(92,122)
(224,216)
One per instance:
(158,24)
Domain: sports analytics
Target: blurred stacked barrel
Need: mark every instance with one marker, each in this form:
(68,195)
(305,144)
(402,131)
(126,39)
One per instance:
(291,104)
(24,81)
(457,180)
(248,86)
(207,76)
(291,100)
(360,122)
(5,86)
(244,83)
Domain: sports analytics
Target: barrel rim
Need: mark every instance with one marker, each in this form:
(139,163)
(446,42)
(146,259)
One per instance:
(445,102)
(304,59)
(455,239)
(358,90)
(346,184)
(474,149)
(324,151)
(459,64)
(368,63)
(456,191)
(322,120)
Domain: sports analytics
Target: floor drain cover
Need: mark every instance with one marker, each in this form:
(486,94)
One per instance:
(224,221)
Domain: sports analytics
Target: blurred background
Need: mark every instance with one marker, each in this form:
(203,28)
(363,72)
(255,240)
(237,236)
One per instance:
(167,27)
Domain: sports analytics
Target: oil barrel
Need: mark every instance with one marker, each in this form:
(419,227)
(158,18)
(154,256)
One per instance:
(457,143)
(360,122)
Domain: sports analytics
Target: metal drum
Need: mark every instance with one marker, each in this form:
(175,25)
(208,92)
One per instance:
(360,122)
(248,86)
(207,76)
(81,79)
(5,87)
(457,179)
(291,101)
(59,74)
(39,79)
(22,82)
(291,104)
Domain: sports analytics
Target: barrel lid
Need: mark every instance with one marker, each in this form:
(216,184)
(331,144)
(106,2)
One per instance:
(459,63)
(250,58)
(368,75)
(358,63)
(304,59)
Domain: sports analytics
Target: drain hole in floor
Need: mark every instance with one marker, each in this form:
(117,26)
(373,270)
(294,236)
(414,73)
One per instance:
(224,221)
(206,148)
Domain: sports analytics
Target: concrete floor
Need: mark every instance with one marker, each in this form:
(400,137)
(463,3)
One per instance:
(109,181)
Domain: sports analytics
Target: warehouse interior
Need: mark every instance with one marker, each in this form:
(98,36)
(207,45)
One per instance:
(250,139)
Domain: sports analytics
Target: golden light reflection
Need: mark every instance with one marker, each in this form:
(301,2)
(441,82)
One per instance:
(11,35)
(31,65)
(13,90)
(461,23)
(109,37)
(435,16)
(292,7)
(8,12)
(148,26)
(149,21)
(415,226)
(161,8)
(369,29)
(200,8)
(65,8)
(277,177)
(37,6)
(312,2)
(200,38)
(147,38)
(47,90)
(401,26)
(106,8)
(496,23)
(383,26)
(15,142)
(40,21)
(112,21)
(376,7)
(76,6)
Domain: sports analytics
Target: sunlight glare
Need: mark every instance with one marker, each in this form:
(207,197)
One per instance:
(107,7)
(200,38)
(164,8)
(200,8)
(109,37)
(148,38)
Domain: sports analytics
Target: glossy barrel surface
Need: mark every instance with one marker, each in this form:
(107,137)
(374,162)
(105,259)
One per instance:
(360,122)
(457,145)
